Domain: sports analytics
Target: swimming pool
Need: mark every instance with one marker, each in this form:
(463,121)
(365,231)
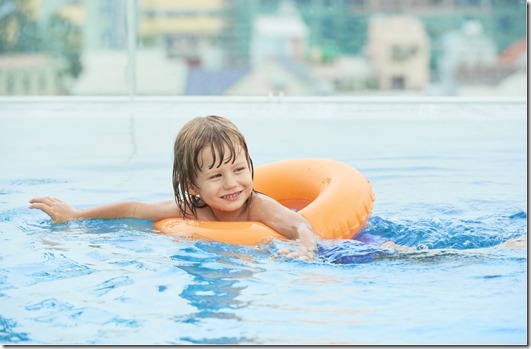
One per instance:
(450,176)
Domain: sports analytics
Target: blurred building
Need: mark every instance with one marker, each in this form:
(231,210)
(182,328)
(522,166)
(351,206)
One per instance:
(399,49)
(279,76)
(282,34)
(108,72)
(277,66)
(103,22)
(31,75)
(329,46)
(471,65)
(24,68)
(505,74)
(514,58)
(190,30)
(347,75)
(107,66)
(503,20)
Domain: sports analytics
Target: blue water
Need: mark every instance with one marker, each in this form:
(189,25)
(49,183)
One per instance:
(450,182)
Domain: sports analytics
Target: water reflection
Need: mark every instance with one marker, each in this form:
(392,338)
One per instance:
(216,270)
(213,292)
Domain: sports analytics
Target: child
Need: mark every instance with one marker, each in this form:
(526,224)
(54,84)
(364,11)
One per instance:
(212,181)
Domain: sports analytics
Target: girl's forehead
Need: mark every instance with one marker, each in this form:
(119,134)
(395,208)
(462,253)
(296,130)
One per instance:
(210,155)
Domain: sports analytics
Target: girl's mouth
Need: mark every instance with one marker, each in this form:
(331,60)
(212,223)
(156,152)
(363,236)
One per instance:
(232,197)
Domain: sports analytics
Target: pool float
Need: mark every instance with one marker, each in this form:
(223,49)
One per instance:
(334,197)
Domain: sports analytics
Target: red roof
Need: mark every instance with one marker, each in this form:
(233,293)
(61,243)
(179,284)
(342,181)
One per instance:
(514,52)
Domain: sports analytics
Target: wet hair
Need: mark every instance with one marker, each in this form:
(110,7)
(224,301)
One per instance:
(214,132)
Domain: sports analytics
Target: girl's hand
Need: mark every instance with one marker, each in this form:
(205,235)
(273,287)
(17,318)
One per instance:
(303,253)
(58,210)
(308,248)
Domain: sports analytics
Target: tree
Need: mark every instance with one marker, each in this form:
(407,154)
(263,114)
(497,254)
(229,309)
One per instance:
(64,39)
(20,33)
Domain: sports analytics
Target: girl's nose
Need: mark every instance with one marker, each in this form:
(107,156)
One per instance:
(230,182)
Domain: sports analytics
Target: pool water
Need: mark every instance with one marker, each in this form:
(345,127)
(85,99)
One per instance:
(450,180)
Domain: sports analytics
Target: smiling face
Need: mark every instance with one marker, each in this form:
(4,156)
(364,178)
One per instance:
(207,144)
(225,184)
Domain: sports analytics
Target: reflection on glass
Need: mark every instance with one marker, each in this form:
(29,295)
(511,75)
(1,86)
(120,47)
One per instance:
(263,48)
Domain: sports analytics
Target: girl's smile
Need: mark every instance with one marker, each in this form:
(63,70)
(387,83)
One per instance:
(232,197)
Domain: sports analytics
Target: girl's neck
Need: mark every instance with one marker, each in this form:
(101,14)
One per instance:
(242,214)
(232,216)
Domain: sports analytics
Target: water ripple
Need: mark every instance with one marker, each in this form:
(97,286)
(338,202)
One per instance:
(36,181)
(49,303)
(8,333)
(112,284)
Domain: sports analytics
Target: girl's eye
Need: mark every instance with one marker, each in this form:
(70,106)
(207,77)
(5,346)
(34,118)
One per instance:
(217,175)
(240,169)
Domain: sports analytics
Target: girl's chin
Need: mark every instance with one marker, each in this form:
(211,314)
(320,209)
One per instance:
(231,205)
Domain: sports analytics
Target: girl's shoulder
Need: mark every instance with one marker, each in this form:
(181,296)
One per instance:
(204,214)
(260,199)
(262,205)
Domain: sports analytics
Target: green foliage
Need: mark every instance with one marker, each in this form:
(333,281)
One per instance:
(64,39)
(58,37)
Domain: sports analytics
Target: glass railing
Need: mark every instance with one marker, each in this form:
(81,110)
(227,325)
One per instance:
(268,49)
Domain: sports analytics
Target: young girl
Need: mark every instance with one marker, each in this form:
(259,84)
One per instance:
(212,181)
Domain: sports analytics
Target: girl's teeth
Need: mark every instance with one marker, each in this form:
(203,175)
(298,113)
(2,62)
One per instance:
(231,196)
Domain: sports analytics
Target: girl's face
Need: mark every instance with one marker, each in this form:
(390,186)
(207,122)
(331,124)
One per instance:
(225,188)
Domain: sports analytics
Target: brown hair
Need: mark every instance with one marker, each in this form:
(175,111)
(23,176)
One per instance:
(212,131)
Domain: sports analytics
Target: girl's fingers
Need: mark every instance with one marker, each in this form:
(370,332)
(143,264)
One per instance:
(38,205)
(303,253)
(43,200)
(43,207)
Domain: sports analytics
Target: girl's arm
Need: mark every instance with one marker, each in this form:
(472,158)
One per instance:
(286,222)
(60,211)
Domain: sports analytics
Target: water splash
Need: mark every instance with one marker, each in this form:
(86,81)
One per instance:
(351,252)
(437,233)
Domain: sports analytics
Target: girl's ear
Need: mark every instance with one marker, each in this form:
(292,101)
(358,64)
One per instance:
(192,189)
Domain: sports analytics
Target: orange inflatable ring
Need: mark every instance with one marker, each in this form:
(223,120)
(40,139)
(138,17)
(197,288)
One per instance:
(334,197)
